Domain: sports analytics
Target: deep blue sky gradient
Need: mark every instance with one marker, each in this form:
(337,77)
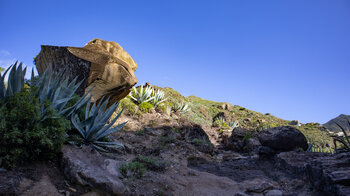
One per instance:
(290,58)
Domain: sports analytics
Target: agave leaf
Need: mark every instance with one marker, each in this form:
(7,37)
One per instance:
(99,148)
(109,131)
(109,113)
(77,125)
(346,136)
(109,144)
(102,127)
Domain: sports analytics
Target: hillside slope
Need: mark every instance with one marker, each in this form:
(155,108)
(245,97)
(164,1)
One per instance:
(223,116)
(342,120)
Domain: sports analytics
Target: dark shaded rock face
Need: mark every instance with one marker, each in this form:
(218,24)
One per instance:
(88,168)
(242,140)
(194,131)
(331,174)
(283,138)
(60,58)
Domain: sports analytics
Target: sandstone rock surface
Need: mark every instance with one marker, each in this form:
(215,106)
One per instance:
(105,67)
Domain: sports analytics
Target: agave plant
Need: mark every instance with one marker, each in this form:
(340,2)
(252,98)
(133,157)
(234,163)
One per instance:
(93,128)
(158,97)
(181,107)
(233,124)
(345,140)
(15,81)
(56,89)
(142,95)
(221,119)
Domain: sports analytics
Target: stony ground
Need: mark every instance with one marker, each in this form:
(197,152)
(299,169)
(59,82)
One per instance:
(193,168)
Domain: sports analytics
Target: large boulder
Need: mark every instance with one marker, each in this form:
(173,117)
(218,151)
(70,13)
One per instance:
(87,168)
(243,141)
(283,139)
(105,67)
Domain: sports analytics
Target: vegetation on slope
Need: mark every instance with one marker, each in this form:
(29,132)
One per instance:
(206,112)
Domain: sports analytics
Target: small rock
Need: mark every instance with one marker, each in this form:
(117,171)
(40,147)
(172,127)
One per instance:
(241,194)
(259,185)
(295,123)
(274,193)
(72,189)
(192,173)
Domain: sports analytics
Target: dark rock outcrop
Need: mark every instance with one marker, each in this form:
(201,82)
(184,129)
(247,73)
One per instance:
(282,139)
(242,140)
(90,169)
(329,174)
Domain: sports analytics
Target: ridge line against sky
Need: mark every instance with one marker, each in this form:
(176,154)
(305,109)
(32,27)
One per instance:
(288,58)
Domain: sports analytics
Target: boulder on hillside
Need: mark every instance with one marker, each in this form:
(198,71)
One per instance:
(295,123)
(87,168)
(283,139)
(105,67)
(242,140)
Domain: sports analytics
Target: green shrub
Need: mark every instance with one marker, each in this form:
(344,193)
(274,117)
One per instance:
(152,163)
(133,170)
(247,136)
(145,106)
(23,136)
(220,122)
(199,142)
(167,139)
(166,107)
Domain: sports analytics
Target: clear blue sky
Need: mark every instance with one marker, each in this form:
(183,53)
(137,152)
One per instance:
(290,58)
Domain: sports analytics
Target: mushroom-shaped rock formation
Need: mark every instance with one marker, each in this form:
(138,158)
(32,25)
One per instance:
(106,68)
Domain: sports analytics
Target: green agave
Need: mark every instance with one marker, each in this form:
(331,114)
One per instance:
(56,89)
(94,127)
(158,97)
(346,141)
(15,81)
(181,107)
(142,95)
(233,124)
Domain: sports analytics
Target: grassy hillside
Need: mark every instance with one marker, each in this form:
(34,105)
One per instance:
(223,115)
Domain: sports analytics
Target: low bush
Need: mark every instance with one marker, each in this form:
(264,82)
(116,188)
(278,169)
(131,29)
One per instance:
(133,170)
(199,142)
(145,106)
(24,136)
(152,163)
